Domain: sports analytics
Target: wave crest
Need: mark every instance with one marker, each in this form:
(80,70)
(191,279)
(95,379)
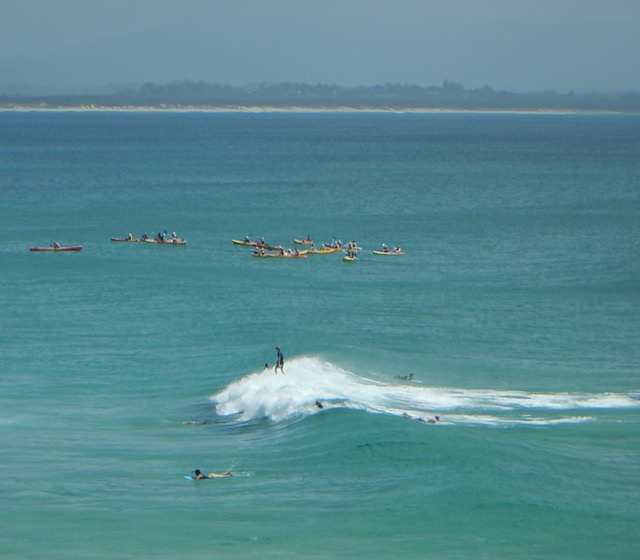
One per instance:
(309,380)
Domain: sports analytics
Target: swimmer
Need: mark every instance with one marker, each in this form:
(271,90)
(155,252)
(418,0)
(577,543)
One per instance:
(433,420)
(199,475)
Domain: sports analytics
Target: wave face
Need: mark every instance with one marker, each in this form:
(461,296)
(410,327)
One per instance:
(311,385)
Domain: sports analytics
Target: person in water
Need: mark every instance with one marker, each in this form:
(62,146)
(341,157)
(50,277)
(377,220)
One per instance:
(279,361)
(199,475)
(433,420)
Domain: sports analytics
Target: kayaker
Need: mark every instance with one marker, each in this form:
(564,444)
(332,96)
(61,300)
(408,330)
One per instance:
(385,249)
(279,361)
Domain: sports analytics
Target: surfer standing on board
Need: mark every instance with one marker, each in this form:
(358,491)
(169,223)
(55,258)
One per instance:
(279,361)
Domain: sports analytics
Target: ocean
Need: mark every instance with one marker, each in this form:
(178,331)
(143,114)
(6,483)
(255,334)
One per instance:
(513,315)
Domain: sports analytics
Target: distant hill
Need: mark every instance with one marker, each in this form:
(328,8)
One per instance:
(449,95)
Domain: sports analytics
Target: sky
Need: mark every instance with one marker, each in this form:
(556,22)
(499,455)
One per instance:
(509,45)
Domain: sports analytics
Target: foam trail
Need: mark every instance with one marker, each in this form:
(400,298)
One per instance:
(308,380)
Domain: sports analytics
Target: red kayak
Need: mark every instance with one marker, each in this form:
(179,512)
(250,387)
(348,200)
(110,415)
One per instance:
(57,249)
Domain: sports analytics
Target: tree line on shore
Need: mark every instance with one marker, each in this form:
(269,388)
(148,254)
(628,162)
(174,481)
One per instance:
(449,95)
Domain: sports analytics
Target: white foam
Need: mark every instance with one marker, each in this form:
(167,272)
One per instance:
(489,420)
(307,380)
(266,394)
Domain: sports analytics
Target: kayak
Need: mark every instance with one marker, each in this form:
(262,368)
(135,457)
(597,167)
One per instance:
(166,241)
(255,244)
(303,241)
(244,242)
(347,258)
(324,251)
(279,256)
(125,239)
(57,249)
(388,252)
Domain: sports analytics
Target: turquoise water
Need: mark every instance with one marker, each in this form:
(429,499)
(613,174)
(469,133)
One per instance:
(516,307)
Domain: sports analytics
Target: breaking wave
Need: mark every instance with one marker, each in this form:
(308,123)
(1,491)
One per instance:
(311,386)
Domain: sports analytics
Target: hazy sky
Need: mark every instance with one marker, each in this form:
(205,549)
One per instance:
(516,45)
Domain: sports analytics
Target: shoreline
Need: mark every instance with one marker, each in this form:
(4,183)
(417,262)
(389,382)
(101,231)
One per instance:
(300,109)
